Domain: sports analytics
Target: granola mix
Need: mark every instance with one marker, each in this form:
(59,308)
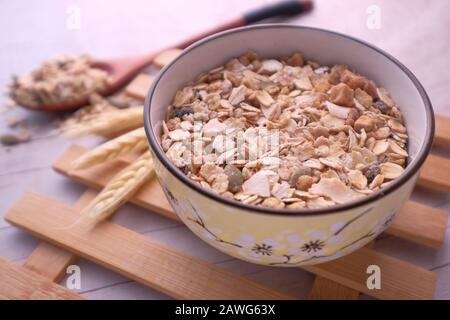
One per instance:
(62,80)
(286,133)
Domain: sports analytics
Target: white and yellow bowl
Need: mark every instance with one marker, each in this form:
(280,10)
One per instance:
(289,237)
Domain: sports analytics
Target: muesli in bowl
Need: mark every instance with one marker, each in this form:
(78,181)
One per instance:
(286,133)
(281,161)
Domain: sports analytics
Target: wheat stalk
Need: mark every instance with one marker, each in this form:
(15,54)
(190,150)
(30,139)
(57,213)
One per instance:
(107,123)
(132,141)
(120,188)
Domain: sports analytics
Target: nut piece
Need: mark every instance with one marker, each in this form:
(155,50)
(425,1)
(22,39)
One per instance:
(296,60)
(342,95)
(304,183)
(355,81)
(366,123)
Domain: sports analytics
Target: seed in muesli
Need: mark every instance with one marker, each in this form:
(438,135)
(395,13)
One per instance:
(286,133)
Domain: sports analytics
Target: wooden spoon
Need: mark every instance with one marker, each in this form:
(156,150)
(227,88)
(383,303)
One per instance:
(121,70)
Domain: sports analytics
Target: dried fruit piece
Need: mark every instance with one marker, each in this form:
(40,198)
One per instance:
(383,107)
(181,112)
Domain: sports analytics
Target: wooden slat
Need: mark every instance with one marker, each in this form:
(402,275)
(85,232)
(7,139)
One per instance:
(133,255)
(152,197)
(435,174)
(19,283)
(324,289)
(399,279)
(165,57)
(49,260)
(421,224)
(442,134)
(139,86)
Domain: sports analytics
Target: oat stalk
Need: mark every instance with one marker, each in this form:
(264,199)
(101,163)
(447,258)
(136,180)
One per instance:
(121,188)
(132,141)
(107,123)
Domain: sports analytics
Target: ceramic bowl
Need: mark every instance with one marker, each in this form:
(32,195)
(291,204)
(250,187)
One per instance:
(289,237)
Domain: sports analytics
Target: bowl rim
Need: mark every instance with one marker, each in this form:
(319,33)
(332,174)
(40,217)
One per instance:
(410,170)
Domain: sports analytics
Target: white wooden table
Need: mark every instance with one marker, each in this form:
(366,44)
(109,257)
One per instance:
(31,31)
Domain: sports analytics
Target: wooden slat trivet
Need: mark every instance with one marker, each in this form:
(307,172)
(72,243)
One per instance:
(133,255)
(181,276)
(408,224)
(20,283)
